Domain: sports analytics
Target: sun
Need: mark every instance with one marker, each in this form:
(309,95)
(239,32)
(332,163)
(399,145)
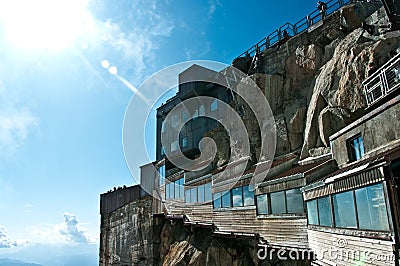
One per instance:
(44,24)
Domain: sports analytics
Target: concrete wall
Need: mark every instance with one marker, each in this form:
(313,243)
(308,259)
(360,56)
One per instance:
(380,130)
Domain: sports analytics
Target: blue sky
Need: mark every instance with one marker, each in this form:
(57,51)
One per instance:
(61,112)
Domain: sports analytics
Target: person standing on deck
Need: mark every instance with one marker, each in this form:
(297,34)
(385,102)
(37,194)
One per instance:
(322,7)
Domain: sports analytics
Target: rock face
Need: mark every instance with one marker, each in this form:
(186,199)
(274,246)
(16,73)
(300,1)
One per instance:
(196,246)
(313,82)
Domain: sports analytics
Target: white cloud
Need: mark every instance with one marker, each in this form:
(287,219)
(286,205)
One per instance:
(15,127)
(6,242)
(69,231)
(213,5)
(72,231)
(137,37)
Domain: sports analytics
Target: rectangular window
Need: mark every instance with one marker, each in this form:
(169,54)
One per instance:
(226,199)
(177,189)
(294,200)
(356,148)
(312,212)
(193,195)
(278,202)
(187,196)
(371,208)
(248,195)
(214,105)
(262,204)
(344,210)
(237,197)
(207,192)
(184,142)
(217,200)
(325,211)
(174,146)
(200,193)
(162,151)
(161,172)
(172,190)
(181,187)
(167,191)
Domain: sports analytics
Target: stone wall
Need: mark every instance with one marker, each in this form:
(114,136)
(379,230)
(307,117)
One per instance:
(127,235)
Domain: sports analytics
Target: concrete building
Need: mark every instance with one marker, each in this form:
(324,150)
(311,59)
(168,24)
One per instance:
(331,195)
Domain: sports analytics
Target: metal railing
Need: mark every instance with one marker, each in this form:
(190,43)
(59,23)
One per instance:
(289,30)
(384,81)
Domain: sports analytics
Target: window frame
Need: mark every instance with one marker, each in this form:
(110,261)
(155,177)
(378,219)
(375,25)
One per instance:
(269,204)
(353,149)
(184,141)
(334,226)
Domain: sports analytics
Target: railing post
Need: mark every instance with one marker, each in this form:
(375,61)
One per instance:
(294,30)
(279,34)
(309,21)
(267,42)
(384,82)
(257,49)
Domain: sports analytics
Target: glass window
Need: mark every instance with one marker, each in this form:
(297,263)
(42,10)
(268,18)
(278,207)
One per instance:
(312,212)
(248,195)
(187,196)
(217,200)
(177,190)
(202,111)
(162,151)
(237,197)
(200,193)
(344,210)
(207,192)
(174,146)
(184,142)
(226,199)
(294,200)
(181,187)
(214,105)
(163,126)
(325,211)
(167,191)
(262,204)
(356,147)
(172,190)
(193,195)
(371,208)
(278,203)
(161,172)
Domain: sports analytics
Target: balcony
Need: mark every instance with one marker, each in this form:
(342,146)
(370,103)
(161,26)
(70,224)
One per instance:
(383,82)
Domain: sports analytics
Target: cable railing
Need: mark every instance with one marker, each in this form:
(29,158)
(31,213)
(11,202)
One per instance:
(289,30)
(383,81)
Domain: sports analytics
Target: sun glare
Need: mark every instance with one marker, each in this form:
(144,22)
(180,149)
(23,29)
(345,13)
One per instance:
(44,24)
